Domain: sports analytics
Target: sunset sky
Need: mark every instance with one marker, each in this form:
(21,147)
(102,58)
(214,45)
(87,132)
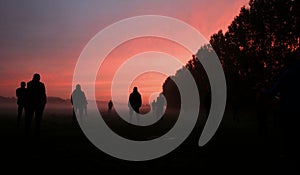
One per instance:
(47,37)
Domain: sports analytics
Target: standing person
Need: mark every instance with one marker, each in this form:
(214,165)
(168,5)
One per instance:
(35,103)
(110,105)
(21,97)
(153,106)
(134,104)
(79,102)
(85,108)
(160,103)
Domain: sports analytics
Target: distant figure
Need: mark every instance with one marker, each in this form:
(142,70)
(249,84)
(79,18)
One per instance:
(79,102)
(21,97)
(160,103)
(110,105)
(287,90)
(134,103)
(35,103)
(85,108)
(153,106)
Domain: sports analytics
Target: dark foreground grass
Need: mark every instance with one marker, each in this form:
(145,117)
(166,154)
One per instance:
(62,147)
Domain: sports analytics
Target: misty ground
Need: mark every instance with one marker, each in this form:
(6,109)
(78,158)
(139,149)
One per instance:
(236,147)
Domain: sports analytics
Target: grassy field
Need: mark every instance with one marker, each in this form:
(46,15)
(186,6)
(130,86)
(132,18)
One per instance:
(62,147)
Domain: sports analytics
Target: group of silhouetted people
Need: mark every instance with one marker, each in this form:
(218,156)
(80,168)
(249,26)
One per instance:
(158,105)
(135,102)
(32,100)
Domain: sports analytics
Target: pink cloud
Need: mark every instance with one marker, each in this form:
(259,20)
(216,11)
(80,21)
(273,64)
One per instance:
(51,48)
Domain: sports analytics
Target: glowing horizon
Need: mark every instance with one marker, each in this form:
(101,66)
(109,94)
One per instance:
(48,37)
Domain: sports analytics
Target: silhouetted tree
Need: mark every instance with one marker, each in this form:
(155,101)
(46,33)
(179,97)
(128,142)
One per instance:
(259,44)
(259,40)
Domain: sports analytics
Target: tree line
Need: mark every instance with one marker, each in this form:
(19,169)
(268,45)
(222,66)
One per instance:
(261,42)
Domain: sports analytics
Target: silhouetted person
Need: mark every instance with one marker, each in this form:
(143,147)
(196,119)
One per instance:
(160,103)
(21,98)
(153,105)
(110,105)
(79,102)
(35,103)
(287,88)
(85,108)
(134,103)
